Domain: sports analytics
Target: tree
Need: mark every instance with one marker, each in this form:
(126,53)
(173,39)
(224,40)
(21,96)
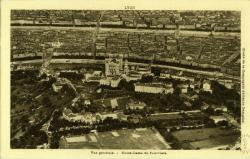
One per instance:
(209,111)
(197,103)
(223,123)
(46,101)
(127,85)
(146,79)
(43,76)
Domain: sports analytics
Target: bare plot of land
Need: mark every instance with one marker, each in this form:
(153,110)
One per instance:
(216,142)
(200,134)
(206,138)
(146,138)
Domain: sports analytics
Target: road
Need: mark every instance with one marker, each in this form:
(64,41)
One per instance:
(95,61)
(182,32)
(46,126)
(191,111)
(24,112)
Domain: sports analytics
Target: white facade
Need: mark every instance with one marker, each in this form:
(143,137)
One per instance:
(56,88)
(207,86)
(182,78)
(191,85)
(165,75)
(217,119)
(153,88)
(113,67)
(169,90)
(221,108)
(24,55)
(148,89)
(183,88)
(105,81)
(113,82)
(227,83)
(134,106)
(87,117)
(132,77)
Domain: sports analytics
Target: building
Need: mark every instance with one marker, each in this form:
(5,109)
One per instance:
(90,118)
(204,106)
(87,102)
(135,73)
(165,75)
(182,78)
(114,82)
(94,79)
(22,67)
(58,85)
(104,81)
(109,115)
(190,97)
(218,119)
(219,108)
(154,88)
(188,104)
(96,76)
(113,67)
(144,70)
(122,117)
(194,97)
(110,81)
(97,73)
(43,146)
(136,105)
(206,86)
(126,68)
(189,58)
(135,118)
(227,83)
(169,89)
(132,76)
(81,117)
(24,55)
(192,85)
(74,101)
(149,87)
(183,88)
(114,103)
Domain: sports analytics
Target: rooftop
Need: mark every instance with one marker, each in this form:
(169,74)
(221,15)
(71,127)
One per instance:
(150,84)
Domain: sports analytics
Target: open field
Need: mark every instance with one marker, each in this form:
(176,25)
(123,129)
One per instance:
(143,138)
(214,143)
(206,138)
(200,134)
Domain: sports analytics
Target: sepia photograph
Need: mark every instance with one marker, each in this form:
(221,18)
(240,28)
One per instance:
(125,79)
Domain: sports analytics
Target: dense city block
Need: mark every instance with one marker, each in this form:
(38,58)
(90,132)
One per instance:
(118,79)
